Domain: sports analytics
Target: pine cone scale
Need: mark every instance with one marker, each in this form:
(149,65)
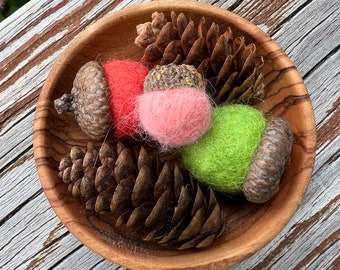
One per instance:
(143,187)
(212,37)
(183,205)
(180,21)
(194,226)
(166,35)
(140,214)
(104,178)
(188,37)
(225,70)
(121,199)
(161,210)
(197,53)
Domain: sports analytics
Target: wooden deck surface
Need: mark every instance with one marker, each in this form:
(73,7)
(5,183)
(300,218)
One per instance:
(32,236)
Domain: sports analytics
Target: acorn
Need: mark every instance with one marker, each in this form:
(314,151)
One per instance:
(89,101)
(175,110)
(103,98)
(242,152)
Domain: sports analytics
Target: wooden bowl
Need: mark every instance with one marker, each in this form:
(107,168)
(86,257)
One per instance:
(248,227)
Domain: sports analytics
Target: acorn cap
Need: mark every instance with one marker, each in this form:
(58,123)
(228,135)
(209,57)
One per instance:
(173,76)
(271,159)
(89,101)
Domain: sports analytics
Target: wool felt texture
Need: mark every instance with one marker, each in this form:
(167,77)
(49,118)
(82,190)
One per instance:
(126,82)
(176,116)
(222,157)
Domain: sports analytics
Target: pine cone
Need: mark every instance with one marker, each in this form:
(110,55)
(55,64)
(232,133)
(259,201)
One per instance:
(148,197)
(231,66)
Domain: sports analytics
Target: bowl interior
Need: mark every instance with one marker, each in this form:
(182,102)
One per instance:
(248,227)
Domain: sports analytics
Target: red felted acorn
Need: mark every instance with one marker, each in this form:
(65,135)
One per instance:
(103,98)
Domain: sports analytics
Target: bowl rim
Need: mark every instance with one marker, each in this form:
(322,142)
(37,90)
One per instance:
(238,249)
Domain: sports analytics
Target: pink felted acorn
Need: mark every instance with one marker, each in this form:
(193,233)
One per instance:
(103,98)
(174,109)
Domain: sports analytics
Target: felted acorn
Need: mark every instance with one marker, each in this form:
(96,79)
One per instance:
(174,109)
(242,152)
(103,98)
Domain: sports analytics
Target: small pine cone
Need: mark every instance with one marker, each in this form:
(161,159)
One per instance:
(148,197)
(229,64)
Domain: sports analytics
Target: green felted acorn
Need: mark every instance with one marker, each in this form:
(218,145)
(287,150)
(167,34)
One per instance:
(242,152)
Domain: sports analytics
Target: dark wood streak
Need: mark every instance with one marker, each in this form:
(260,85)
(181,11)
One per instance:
(336,264)
(286,88)
(57,184)
(271,57)
(299,141)
(288,102)
(67,144)
(34,264)
(63,199)
(275,75)
(307,165)
(49,161)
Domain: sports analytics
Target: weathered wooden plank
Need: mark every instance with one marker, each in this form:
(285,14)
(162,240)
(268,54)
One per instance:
(303,28)
(16,137)
(267,15)
(19,185)
(26,231)
(84,258)
(311,35)
(324,82)
(42,242)
(227,4)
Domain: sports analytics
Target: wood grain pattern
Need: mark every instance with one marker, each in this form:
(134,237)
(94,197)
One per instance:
(309,241)
(286,96)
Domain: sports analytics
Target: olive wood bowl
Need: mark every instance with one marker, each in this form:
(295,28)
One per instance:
(248,227)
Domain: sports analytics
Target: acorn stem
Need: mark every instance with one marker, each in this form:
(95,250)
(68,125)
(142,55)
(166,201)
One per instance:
(64,103)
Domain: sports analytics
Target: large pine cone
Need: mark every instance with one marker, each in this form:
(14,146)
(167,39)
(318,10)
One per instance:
(231,66)
(149,197)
